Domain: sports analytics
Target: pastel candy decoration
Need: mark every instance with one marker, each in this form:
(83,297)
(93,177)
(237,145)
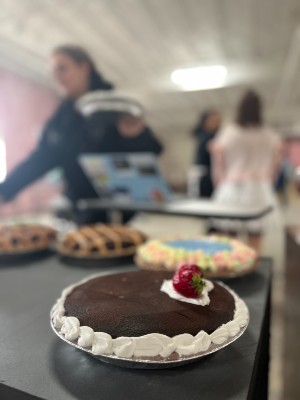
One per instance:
(210,253)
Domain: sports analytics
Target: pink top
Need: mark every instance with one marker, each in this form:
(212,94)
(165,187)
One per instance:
(245,154)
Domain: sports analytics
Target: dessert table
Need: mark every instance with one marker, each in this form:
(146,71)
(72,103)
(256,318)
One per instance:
(291,322)
(34,363)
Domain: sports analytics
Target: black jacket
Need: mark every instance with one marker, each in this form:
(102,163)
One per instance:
(66,135)
(203,158)
(202,152)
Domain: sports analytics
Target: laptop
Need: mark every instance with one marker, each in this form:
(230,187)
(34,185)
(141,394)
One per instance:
(130,177)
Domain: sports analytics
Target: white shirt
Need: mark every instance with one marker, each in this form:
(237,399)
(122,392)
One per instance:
(249,154)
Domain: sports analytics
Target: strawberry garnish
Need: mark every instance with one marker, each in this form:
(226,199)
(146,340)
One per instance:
(188,281)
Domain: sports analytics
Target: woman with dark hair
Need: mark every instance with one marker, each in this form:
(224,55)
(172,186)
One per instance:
(204,132)
(246,157)
(67,134)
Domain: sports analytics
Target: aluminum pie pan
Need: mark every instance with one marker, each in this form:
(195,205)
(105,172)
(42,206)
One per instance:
(139,363)
(111,260)
(25,257)
(99,263)
(154,362)
(123,253)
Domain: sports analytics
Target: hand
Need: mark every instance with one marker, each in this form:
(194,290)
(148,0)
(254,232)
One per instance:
(129,126)
(158,196)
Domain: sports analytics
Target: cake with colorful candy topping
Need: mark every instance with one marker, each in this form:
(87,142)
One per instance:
(216,255)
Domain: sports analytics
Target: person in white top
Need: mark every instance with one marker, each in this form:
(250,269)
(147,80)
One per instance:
(246,157)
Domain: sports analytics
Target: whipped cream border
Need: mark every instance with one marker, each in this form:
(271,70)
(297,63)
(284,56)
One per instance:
(150,345)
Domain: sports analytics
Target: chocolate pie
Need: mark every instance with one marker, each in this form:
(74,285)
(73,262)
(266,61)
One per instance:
(23,238)
(99,240)
(129,315)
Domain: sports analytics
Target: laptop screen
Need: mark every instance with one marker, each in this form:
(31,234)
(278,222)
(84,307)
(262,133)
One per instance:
(126,176)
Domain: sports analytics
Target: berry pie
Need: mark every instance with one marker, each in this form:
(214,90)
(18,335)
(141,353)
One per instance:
(24,238)
(99,240)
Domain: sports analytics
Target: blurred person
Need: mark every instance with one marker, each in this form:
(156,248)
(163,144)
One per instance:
(66,134)
(130,135)
(246,159)
(204,132)
(281,184)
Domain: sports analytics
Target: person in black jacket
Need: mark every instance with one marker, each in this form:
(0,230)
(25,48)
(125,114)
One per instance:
(66,135)
(204,132)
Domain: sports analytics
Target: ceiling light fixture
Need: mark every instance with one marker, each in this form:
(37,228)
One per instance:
(200,78)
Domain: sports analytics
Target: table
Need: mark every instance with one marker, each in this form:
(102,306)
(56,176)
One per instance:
(185,208)
(291,315)
(34,361)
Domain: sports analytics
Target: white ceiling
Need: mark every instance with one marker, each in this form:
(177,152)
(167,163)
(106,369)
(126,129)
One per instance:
(138,43)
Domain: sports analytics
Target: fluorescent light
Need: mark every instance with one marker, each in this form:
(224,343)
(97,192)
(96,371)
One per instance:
(200,78)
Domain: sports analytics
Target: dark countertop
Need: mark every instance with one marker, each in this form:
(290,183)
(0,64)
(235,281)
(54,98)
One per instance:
(291,314)
(35,361)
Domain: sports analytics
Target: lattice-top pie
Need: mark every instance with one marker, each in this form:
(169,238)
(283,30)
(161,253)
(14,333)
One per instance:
(23,238)
(99,240)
